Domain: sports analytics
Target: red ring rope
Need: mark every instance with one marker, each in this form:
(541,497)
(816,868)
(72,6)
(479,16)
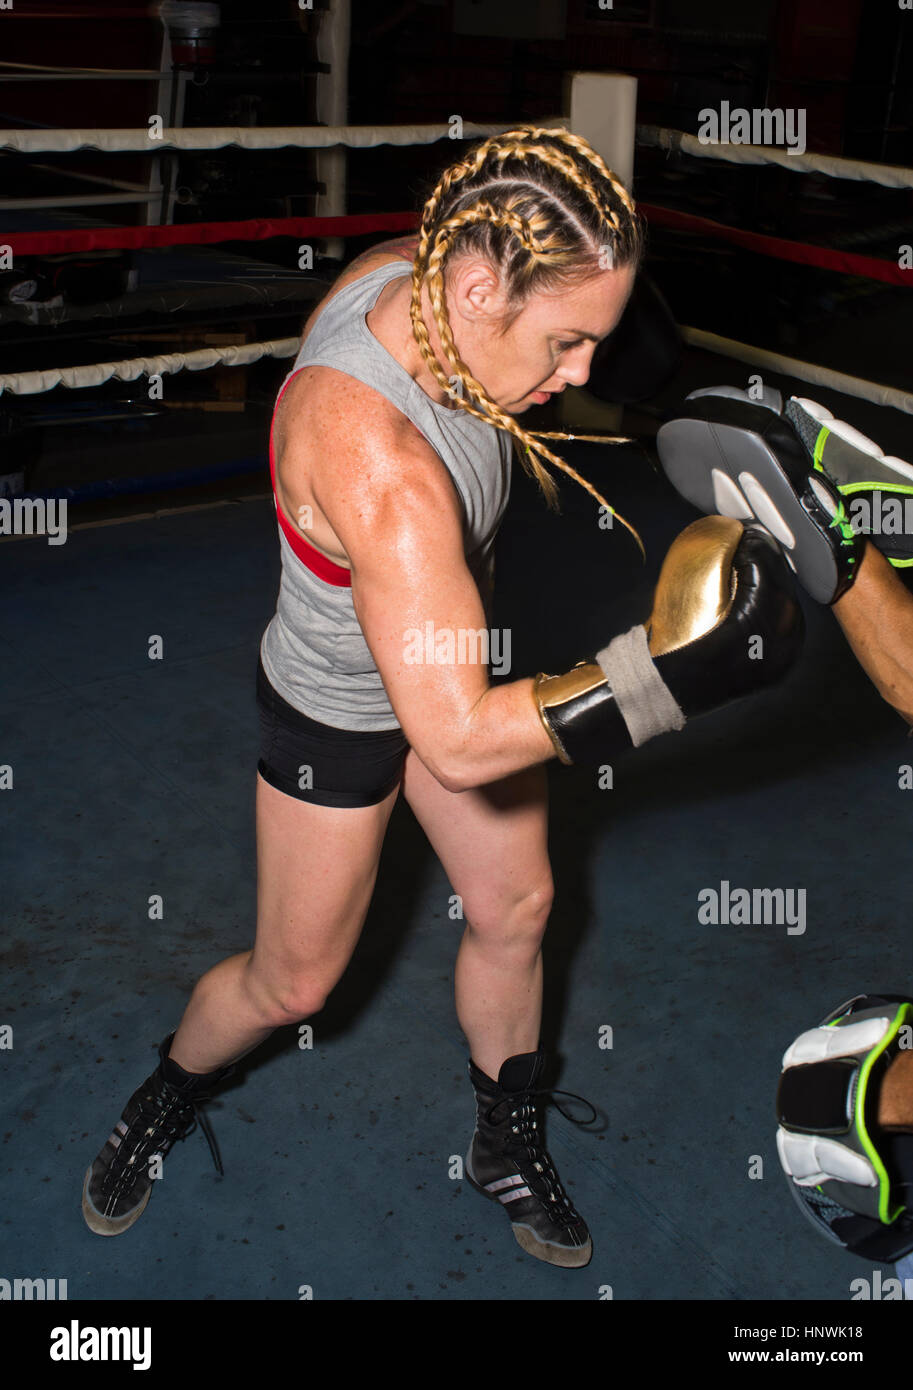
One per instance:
(260,229)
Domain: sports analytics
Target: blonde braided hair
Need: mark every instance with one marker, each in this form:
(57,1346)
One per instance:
(574,204)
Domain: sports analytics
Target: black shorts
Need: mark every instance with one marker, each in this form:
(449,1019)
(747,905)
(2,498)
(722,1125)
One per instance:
(347,768)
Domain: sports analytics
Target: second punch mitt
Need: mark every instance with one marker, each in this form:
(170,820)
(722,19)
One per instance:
(725,623)
(727,453)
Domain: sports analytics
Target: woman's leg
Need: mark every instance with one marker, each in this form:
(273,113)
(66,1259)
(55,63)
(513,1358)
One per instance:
(492,844)
(316,870)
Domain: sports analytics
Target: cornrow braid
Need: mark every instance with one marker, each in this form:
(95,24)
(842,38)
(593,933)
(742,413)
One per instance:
(553,167)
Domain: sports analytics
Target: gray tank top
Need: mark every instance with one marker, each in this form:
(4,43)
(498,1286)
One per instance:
(313,650)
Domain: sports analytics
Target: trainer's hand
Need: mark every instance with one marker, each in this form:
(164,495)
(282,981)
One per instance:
(727,453)
(725,623)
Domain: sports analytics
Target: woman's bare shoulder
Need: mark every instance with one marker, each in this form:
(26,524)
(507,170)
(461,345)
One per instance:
(334,433)
(328,419)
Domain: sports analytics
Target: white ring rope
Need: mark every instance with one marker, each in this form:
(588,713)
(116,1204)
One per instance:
(240,354)
(805,371)
(249,137)
(94,374)
(364,137)
(889,175)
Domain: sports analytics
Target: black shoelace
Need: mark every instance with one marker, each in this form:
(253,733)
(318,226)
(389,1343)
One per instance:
(526,1128)
(166,1116)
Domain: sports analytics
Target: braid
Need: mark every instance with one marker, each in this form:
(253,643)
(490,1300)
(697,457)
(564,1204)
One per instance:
(547,248)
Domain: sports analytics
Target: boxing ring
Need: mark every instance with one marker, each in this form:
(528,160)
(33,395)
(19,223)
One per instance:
(336,1168)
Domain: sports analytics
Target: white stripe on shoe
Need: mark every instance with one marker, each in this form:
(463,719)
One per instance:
(498,1183)
(508,1189)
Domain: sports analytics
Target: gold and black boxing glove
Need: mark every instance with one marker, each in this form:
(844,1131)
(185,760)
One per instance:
(725,623)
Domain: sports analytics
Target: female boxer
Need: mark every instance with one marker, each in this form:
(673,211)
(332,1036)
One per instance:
(390,455)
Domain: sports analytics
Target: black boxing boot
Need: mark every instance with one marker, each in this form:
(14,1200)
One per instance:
(163,1110)
(507,1162)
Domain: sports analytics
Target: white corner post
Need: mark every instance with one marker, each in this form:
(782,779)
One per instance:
(602,108)
(332,98)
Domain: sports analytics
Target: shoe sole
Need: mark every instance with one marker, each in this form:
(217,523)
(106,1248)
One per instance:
(566,1256)
(108,1225)
(746,481)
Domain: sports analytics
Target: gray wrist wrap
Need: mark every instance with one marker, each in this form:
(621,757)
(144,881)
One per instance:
(647,705)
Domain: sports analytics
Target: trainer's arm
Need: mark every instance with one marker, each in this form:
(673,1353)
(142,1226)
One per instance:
(876,615)
(400,522)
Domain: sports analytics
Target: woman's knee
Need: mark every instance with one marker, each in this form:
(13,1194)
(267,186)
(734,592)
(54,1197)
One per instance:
(516,924)
(288,996)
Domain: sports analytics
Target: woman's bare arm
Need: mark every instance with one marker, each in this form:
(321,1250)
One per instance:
(392,503)
(876,615)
